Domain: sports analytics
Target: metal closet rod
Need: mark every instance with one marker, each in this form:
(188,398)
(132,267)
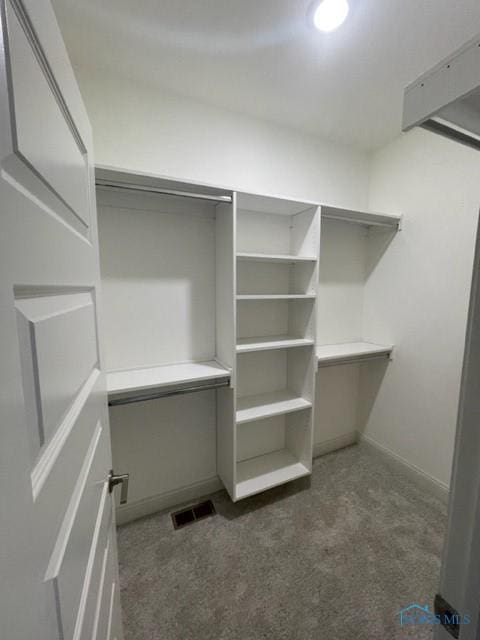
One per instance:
(451,132)
(166,393)
(164,191)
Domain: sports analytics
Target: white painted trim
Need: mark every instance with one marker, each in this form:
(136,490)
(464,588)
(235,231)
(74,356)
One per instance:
(327,446)
(160,502)
(422,479)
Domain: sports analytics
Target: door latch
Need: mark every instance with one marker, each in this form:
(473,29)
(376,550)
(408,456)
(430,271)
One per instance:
(122,479)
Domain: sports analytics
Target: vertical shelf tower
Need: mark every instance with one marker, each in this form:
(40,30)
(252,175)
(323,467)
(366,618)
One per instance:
(265,426)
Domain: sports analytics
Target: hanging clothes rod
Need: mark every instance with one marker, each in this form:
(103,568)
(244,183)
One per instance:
(452,132)
(154,395)
(112,184)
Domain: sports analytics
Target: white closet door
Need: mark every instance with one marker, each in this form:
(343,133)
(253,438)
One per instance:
(58,566)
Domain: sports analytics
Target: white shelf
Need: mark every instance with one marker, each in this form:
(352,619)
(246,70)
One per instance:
(362,217)
(266,343)
(134,380)
(331,354)
(264,405)
(278,296)
(265,257)
(267,471)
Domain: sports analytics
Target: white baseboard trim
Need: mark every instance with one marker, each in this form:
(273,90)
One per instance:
(134,510)
(423,480)
(327,446)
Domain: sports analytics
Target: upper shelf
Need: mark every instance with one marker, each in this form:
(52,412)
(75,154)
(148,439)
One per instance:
(141,380)
(266,257)
(350,352)
(362,217)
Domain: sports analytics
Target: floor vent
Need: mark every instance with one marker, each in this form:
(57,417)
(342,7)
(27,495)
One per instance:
(191,514)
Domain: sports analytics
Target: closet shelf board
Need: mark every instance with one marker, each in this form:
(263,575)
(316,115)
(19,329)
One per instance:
(265,343)
(362,217)
(278,296)
(331,354)
(267,471)
(266,257)
(264,405)
(164,376)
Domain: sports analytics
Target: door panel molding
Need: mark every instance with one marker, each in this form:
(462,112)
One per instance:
(59,353)
(68,569)
(91,584)
(46,119)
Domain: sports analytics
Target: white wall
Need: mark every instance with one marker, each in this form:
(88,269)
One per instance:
(136,127)
(417,297)
(343,271)
(157,262)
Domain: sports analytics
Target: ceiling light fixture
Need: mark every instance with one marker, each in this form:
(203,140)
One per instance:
(330,14)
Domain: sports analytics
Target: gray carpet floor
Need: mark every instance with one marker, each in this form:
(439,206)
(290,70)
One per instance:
(334,556)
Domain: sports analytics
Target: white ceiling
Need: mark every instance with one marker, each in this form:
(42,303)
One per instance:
(260,57)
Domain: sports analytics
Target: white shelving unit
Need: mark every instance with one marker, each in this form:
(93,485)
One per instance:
(350,352)
(275,288)
(217,291)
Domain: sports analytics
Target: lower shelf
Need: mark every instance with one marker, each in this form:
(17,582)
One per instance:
(267,471)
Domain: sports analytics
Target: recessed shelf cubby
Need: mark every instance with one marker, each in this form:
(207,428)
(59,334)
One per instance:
(280,278)
(273,451)
(257,320)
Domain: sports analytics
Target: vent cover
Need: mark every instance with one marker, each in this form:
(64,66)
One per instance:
(192,514)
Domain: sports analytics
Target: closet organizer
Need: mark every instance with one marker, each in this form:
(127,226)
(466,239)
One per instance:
(211,295)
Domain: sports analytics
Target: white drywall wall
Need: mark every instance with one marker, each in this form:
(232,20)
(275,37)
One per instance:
(165,445)
(417,297)
(157,262)
(343,258)
(138,128)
